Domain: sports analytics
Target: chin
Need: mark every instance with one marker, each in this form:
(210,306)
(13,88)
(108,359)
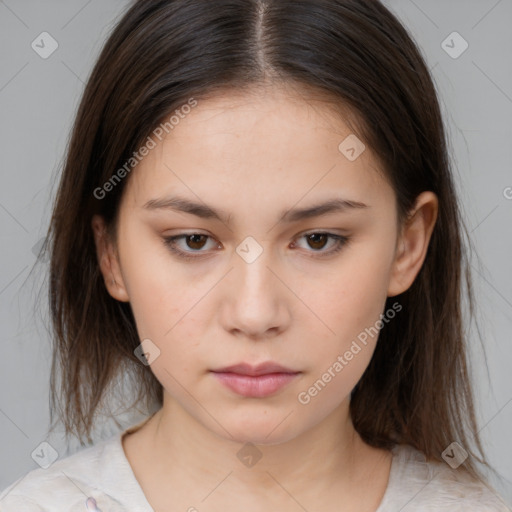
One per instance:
(259,428)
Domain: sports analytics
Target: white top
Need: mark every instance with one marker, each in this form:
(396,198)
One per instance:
(101,474)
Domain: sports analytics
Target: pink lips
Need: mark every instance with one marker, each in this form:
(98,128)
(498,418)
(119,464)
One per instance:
(255,381)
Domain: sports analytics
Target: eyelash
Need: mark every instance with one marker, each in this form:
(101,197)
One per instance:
(341,242)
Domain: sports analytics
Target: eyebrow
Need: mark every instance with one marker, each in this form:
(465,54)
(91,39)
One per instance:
(204,211)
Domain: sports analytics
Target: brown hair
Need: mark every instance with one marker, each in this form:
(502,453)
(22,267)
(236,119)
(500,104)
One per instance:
(416,389)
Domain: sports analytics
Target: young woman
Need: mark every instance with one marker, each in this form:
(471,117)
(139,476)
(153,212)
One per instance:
(257,228)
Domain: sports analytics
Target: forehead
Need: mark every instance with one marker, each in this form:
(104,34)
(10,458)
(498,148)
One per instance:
(270,142)
(272,114)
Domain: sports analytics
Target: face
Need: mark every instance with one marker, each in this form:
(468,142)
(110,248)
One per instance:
(259,281)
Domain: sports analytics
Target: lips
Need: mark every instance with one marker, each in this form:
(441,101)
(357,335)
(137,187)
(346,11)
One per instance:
(253,371)
(255,381)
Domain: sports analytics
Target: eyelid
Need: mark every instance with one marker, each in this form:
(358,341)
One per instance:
(341,242)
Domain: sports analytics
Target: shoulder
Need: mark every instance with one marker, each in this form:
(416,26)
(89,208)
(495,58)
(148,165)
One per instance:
(65,485)
(418,485)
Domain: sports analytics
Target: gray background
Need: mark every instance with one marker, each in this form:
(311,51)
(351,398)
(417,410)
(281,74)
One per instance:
(38,99)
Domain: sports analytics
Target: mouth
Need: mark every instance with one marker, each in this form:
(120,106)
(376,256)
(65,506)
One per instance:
(255,381)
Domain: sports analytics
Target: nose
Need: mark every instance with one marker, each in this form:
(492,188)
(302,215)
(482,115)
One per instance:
(255,301)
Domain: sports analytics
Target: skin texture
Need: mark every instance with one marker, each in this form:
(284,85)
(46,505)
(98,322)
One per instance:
(255,156)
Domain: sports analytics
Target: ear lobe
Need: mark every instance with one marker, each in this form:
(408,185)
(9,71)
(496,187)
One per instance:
(108,261)
(413,242)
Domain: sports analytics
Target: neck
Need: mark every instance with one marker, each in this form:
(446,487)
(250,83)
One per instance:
(185,459)
(328,450)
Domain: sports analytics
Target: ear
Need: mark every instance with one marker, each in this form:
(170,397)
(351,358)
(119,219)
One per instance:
(108,260)
(413,243)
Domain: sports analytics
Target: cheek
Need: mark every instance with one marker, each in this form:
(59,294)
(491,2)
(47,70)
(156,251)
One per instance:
(159,292)
(351,307)
(348,303)
(169,308)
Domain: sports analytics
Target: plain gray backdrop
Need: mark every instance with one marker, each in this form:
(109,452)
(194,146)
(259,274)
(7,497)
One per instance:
(39,97)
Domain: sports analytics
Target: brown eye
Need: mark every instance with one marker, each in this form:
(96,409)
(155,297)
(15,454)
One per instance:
(196,241)
(185,246)
(317,240)
(192,244)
